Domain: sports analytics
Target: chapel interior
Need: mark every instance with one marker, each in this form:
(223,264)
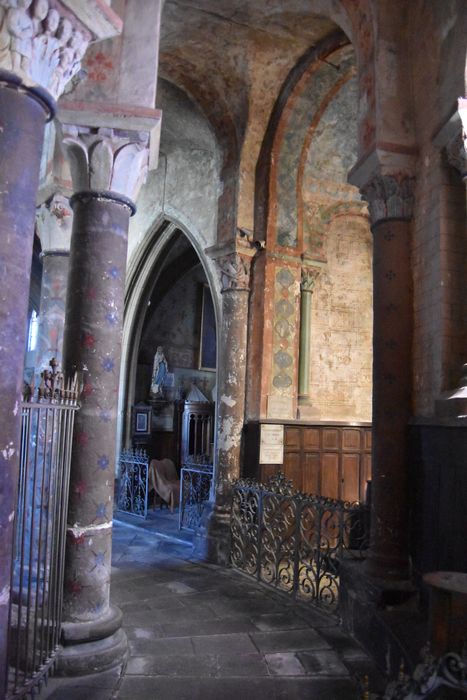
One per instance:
(237,228)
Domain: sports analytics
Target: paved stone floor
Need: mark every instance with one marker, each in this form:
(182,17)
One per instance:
(200,632)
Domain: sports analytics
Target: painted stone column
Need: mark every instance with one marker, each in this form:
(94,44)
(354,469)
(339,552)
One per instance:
(53,225)
(234,271)
(23,115)
(309,277)
(390,201)
(106,169)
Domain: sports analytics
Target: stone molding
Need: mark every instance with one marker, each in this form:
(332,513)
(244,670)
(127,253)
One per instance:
(106,160)
(43,42)
(389,196)
(54,220)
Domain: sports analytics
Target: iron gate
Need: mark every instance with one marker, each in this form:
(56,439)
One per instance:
(133,486)
(195,489)
(294,541)
(39,532)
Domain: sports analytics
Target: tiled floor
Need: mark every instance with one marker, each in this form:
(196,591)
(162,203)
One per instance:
(197,631)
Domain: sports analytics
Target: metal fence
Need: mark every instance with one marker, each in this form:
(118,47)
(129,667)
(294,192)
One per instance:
(195,489)
(133,488)
(40,531)
(293,541)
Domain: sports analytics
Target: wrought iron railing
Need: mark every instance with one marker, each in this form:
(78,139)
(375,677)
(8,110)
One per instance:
(432,678)
(133,487)
(40,531)
(293,541)
(195,489)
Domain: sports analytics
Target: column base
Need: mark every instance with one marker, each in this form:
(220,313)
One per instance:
(212,539)
(371,611)
(91,647)
(384,568)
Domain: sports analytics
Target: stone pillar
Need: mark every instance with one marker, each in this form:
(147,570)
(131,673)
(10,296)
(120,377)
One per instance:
(41,50)
(309,277)
(234,271)
(53,224)
(23,114)
(390,199)
(107,170)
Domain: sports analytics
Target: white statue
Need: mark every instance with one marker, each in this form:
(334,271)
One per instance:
(159,372)
(21,29)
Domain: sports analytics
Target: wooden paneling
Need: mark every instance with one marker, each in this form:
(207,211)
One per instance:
(327,460)
(332,461)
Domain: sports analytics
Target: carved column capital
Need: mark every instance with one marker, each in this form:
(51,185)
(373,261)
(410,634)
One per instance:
(309,276)
(43,42)
(234,272)
(107,161)
(389,196)
(54,220)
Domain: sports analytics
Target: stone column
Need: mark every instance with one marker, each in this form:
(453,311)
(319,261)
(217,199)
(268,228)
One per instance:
(309,277)
(234,271)
(53,224)
(107,170)
(390,199)
(23,114)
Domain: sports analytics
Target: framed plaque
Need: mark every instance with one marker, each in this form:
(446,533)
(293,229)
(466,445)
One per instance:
(141,421)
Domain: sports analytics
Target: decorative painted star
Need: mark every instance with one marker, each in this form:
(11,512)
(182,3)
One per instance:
(113,272)
(105,416)
(103,462)
(100,558)
(101,511)
(111,318)
(108,364)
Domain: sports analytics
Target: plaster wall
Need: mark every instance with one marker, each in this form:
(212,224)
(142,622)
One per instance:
(186,185)
(341,325)
(439,244)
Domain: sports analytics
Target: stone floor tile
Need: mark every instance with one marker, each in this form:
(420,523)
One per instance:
(240,665)
(323,662)
(200,628)
(288,640)
(278,621)
(284,664)
(144,632)
(223,644)
(173,665)
(162,646)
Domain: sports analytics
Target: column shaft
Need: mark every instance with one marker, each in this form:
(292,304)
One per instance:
(22,119)
(52,308)
(231,391)
(92,344)
(304,348)
(392,339)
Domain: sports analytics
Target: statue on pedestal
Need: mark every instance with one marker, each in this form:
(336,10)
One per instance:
(159,373)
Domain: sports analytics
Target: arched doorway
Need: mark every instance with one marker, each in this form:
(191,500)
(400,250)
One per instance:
(169,305)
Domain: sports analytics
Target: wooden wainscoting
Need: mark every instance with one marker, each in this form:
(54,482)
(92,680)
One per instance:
(324,459)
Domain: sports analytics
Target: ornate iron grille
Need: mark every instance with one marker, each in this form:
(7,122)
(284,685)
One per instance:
(132,494)
(195,489)
(40,531)
(294,541)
